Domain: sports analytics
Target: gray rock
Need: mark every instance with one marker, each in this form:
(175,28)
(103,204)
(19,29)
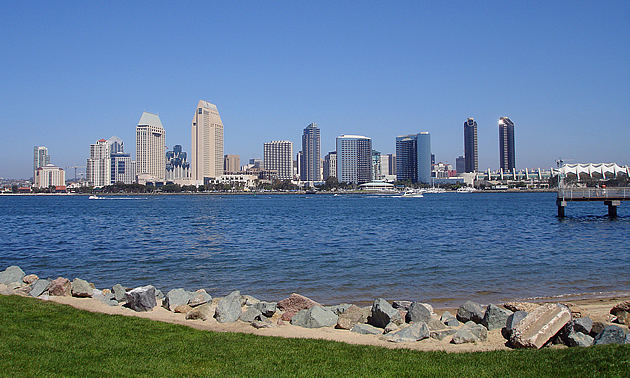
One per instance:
(229,308)
(81,288)
(470,311)
(352,316)
(440,335)
(613,334)
(97,294)
(141,298)
(366,329)
(414,332)
(418,313)
(383,313)
(583,325)
(495,317)
(11,274)
(574,339)
(248,300)
(200,312)
(597,328)
(401,305)
(266,308)
(4,290)
(119,292)
(159,295)
(258,324)
(511,322)
(338,309)
(470,333)
(199,297)
(445,316)
(314,317)
(109,299)
(39,287)
(391,327)
(175,298)
(435,324)
(250,314)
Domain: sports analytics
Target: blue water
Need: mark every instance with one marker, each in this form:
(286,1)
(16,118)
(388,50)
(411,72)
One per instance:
(443,248)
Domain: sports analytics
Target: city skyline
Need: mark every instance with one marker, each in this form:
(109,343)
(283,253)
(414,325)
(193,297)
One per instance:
(567,73)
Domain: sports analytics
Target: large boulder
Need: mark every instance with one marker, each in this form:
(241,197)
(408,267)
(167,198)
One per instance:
(470,311)
(402,305)
(495,317)
(540,325)
(352,316)
(119,292)
(229,308)
(623,317)
(250,314)
(175,298)
(511,323)
(471,332)
(418,312)
(314,317)
(266,308)
(11,274)
(435,324)
(338,309)
(412,333)
(38,287)
(448,319)
(612,334)
(199,297)
(81,288)
(294,304)
(141,298)
(60,287)
(201,312)
(440,335)
(383,313)
(366,329)
(623,306)
(109,299)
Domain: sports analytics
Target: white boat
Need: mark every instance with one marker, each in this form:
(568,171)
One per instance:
(467,189)
(413,193)
(93,197)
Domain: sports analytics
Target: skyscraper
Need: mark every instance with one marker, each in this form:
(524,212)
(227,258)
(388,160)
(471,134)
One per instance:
(98,167)
(150,147)
(413,157)
(354,159)
(177,168)
(310,169)
(206,158)
(330,165)
(470,146)
(231,163)
(506,144)
(278,156)
(122,168)
(40,158)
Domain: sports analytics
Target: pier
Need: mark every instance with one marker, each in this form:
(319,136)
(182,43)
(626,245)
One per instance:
(611,197)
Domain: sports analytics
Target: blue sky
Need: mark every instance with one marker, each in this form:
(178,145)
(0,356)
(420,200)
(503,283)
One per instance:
(75,72)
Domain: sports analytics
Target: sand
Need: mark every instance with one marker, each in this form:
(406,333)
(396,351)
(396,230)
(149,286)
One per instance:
(598,310)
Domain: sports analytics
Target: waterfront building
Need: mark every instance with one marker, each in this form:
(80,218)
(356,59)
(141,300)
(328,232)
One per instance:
(470,146)
(330,165)
(354,159)
(98,167)
(413,157)
(231,164)
(506,144)
(310,164)
(115,145)
(460,164)
(256,163)
(150,147)
(122,168)
(40,158)
(424,157)
(376,166)
(177,168)
(278,156)
(206,158)
(49,175)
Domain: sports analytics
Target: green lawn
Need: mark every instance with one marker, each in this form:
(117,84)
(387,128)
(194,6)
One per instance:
(45,339)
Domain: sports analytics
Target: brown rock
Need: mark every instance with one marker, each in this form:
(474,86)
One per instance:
(353,315)
(107,291)
(623,306)
(295,303)
(61,287)
(576,311)
(540,325)
(286,316)
(23,291)
(281,322)
(30,279)
(4,290)
(200,312)
(623,317)
(521,306)
(183,309)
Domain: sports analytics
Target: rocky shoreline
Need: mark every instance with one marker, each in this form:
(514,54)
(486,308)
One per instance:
(403,323)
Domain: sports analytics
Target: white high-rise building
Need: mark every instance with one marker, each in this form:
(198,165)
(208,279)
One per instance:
(49,175)
(206,155)
(354,159)
(40,158)
(151,147)
(97,170)
(278,156)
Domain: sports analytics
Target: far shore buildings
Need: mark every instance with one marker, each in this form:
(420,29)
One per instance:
(231,164)
(507,159)
(98,166)
(278,157)
(354,159)
(310,162)
(413,158)
(49,175)
(150,148)
(40,158)
(177,167)
(471,157)
(206,155)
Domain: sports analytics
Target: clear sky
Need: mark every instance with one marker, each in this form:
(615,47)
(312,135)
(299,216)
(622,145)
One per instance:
(75,72)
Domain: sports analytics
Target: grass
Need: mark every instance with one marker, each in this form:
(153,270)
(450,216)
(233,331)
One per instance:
(46,339)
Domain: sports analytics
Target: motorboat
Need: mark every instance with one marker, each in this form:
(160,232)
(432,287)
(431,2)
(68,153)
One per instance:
(467,189)
(93,197)
(413,193)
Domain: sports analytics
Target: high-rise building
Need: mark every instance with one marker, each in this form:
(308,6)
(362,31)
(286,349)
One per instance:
(460,164)
(413,158)
(256,163)
(122,168)
(150,147)
(49,175)
(470,146)
(206,158)
(278,156)
(231,163)
(376,165)
(115,145)
(330,165)
(310,165)
(40,158)
(177,168)
(354,159)
(98,167)
(506,144)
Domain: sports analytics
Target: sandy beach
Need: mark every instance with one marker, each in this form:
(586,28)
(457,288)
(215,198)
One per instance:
(598,309)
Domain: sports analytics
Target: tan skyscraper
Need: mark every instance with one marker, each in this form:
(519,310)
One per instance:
(206,142)
(150,147)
